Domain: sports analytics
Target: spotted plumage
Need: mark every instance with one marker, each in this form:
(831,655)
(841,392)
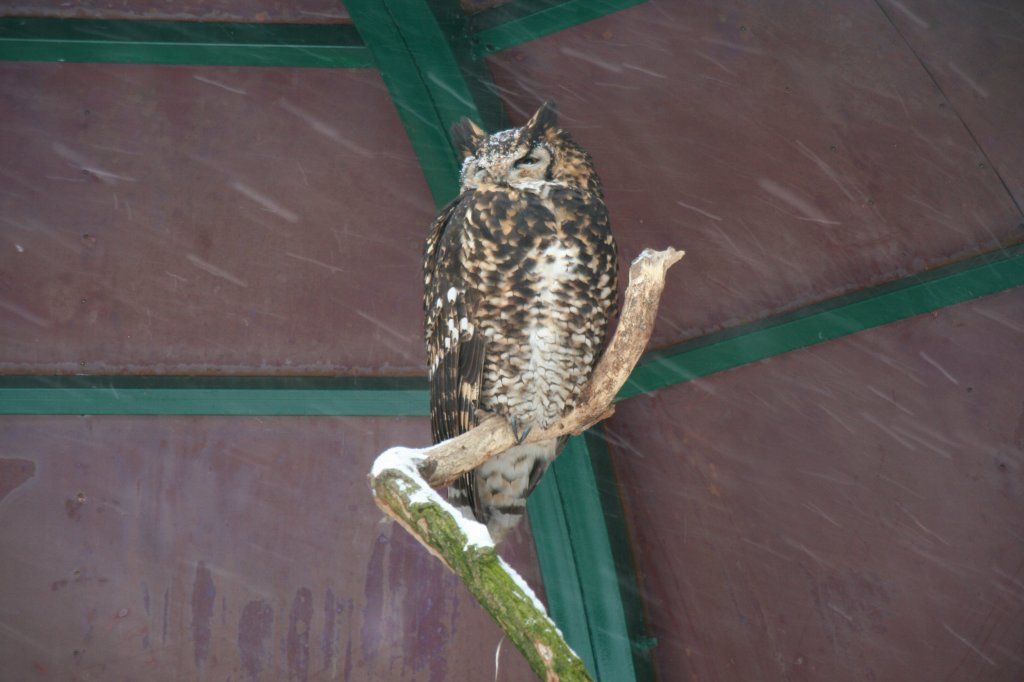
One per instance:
(520,284)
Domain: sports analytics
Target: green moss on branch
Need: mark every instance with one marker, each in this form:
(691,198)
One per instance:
(423,513)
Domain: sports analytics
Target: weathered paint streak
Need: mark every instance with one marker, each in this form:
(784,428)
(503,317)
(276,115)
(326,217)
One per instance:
(327,637)
(14,473)
(171,491)
(203,596)
(147,606)
(299,619)
(348,644)
(408,558)
(167,600)
(254,630)
(374,590)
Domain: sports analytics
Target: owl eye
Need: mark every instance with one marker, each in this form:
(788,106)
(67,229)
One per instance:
(528,160)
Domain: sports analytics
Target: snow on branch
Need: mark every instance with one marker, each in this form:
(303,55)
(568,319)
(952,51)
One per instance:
(466,548)
(402,480)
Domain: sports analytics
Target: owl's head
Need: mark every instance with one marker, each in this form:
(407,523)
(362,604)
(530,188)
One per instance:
(525,158)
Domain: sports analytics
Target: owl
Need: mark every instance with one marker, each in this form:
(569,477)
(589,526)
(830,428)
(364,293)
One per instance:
(519,286)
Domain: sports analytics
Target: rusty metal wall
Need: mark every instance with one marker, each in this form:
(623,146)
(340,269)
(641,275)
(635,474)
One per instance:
(973,51)
(215,221)
(846,512)
(182,220)
(796,150)
(852,511)
(177,548)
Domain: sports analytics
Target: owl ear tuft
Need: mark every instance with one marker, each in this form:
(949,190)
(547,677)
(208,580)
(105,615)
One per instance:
(467,136)
(546,119)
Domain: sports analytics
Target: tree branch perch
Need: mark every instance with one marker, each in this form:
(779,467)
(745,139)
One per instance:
(402,481)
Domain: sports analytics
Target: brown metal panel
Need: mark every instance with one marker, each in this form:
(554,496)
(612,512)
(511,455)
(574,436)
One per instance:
(299,11)
(797,150)
(852,511)
(190,220)
(975,53)
(224,548)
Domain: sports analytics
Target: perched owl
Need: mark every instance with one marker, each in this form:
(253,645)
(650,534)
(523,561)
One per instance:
(520,284)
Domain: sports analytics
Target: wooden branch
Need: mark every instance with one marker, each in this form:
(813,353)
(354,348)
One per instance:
(448,460)
(466,548)
(402,478)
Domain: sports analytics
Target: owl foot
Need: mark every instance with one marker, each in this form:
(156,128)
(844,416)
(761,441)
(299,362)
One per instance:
(520,436)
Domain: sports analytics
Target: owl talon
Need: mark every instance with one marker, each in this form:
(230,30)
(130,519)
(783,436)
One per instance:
(519,436)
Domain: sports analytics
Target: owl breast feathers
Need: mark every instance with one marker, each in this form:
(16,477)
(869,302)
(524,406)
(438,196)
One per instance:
(520,284)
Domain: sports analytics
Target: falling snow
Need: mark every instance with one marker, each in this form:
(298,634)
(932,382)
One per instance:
(821,467)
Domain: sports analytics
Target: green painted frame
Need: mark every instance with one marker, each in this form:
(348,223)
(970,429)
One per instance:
(918,294)
(514,23)
(585,560)
(214,395)
(424,95)
(182,42)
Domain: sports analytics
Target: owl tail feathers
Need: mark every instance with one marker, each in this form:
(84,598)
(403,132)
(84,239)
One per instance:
(496,492)
(459,497)
(498,523)
(501,524)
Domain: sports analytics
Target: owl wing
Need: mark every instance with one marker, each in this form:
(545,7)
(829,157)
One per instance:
(455,351)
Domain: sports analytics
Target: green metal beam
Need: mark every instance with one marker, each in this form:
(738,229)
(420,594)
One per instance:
(630,597)
(922,293)
(585,561)
(487,103)
(559,567)
(424,78)
(179,42)
(236,396)
(868,308)
(904,298)
(514,23)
